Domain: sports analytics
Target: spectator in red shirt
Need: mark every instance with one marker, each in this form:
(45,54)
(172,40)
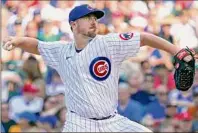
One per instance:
(163,77)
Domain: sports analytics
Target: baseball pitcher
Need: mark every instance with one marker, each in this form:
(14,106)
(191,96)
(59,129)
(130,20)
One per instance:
(89,68)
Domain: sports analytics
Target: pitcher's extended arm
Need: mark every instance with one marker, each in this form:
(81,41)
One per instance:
(26,43)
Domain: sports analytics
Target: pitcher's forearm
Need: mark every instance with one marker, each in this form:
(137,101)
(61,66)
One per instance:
(27,44)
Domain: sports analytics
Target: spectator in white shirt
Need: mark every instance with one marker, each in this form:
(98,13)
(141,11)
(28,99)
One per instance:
(26,102)
(184,32)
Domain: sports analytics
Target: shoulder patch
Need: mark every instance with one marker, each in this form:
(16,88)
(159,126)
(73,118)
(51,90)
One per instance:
(126,36)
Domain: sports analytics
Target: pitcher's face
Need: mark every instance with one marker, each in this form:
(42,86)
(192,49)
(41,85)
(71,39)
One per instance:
(87,26)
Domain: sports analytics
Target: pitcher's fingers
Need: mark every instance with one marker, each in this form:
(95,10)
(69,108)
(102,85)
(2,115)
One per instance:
(5,41)
(4,45)
(11,47)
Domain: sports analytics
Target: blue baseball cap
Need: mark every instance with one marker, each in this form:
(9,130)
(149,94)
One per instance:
(83,10)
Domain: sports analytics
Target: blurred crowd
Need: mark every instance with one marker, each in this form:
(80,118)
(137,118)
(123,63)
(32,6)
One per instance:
(33,94)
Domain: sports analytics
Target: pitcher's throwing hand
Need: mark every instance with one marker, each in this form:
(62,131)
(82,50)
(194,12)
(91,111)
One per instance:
(8,43)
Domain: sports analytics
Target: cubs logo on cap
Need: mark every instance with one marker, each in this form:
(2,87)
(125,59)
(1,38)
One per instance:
(89,7)
(83,10)
(126,36)
(100,68)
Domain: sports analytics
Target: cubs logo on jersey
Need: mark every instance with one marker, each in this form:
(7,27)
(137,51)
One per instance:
(126,36)
(100,68)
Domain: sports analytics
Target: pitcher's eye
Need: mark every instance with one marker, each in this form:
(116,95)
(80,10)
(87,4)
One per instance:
(92,18)
(95,18)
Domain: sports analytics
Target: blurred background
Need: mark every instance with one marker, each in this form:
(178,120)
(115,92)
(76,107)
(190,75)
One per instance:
(33,94)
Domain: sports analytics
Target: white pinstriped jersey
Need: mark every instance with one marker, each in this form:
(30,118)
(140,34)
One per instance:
(91,76)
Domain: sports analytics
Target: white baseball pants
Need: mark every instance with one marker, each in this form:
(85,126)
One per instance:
(118,123)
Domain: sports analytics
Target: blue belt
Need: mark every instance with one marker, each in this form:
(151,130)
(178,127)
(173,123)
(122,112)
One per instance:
(103,118)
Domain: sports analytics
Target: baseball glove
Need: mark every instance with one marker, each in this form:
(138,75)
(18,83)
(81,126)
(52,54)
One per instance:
(184,71)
